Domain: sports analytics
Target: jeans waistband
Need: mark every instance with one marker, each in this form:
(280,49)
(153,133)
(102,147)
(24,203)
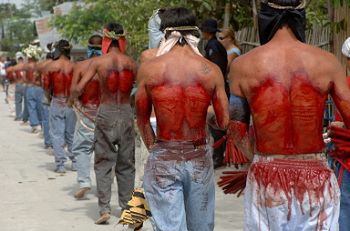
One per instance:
(182,144)
(179,151)
(308,156)
(115,108)
(60,100)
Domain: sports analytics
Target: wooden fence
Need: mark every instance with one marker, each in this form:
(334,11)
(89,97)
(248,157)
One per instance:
(317,36)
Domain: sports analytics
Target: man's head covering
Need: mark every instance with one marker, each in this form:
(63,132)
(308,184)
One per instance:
(346,48)
(94,46)
(276,13)
(179,26)
(19,55)
(210,25)
(154,32)
(61,47)
(110,35)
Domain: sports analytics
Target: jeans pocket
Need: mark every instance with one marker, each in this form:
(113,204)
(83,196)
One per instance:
(164,173)
(102,123)
(202,169)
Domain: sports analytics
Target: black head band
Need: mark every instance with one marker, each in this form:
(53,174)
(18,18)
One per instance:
(272,19)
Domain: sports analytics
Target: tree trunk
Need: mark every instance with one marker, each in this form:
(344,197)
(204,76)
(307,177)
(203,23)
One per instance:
(255,13)
(331,18)
(227,14)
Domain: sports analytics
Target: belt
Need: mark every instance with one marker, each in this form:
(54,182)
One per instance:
(198,142)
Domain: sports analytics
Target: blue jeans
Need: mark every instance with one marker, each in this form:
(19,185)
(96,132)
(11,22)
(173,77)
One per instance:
(19,100)
(34,97)
(62,125)
(45,124)
(179,187)
(82,149)
(344,221)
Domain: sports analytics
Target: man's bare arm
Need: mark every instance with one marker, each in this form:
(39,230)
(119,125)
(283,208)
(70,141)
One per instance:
(143,111)
(77,74)
(85,78)
(340,93)
(239,112)
(220,102)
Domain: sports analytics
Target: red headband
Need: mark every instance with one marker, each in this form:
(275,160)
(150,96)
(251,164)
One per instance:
(107,40)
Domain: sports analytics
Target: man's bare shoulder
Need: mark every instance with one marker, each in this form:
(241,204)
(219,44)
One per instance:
(83,64)
(148,55)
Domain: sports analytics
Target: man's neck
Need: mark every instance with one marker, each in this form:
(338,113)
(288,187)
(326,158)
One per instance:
(63,57)
(285,34)
(113,50)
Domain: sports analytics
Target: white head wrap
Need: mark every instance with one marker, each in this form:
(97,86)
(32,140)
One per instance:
(19,55)
(346,48)
(167,44)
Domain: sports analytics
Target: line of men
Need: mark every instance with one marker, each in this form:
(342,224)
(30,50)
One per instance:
(281,85)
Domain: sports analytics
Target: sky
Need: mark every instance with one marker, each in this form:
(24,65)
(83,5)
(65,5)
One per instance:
(17,2)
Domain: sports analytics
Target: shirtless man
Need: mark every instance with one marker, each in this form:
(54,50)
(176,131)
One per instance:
(34,91)
(45,102)
(57,81)
(179,175)
(86,110)
(114,119)
(20,90)
(284,85)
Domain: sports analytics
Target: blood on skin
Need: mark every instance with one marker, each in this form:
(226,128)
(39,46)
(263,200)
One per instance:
(19,76)
(59,82)
(293,178)
(117,86)
(91,93)
(288,119)
(180,111)
(120,81)
(30,76)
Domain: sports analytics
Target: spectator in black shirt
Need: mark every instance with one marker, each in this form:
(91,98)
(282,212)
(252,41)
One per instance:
(216,52)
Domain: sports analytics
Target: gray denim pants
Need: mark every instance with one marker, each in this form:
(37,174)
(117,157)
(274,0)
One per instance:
(114,146)
(83,146)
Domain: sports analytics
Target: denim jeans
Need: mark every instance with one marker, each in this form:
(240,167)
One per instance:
(34,97)
(45,123)
(62,125)
(83,145)
(25,115)
(179,187)
(114,127)
(19,100)
(344,221)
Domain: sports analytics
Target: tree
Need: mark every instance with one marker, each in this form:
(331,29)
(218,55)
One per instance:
(83,20)
(86,18)
(17,30)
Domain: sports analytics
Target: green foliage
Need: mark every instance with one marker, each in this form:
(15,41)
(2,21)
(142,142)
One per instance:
(17,29)
(84,19)
(341,2)
(317,13)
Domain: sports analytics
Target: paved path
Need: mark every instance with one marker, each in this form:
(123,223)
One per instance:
(34,198)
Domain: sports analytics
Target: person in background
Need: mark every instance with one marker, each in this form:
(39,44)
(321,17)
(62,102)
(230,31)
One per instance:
(114,127)
(57,81)
(86,109)
(228,40)
(341,165)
